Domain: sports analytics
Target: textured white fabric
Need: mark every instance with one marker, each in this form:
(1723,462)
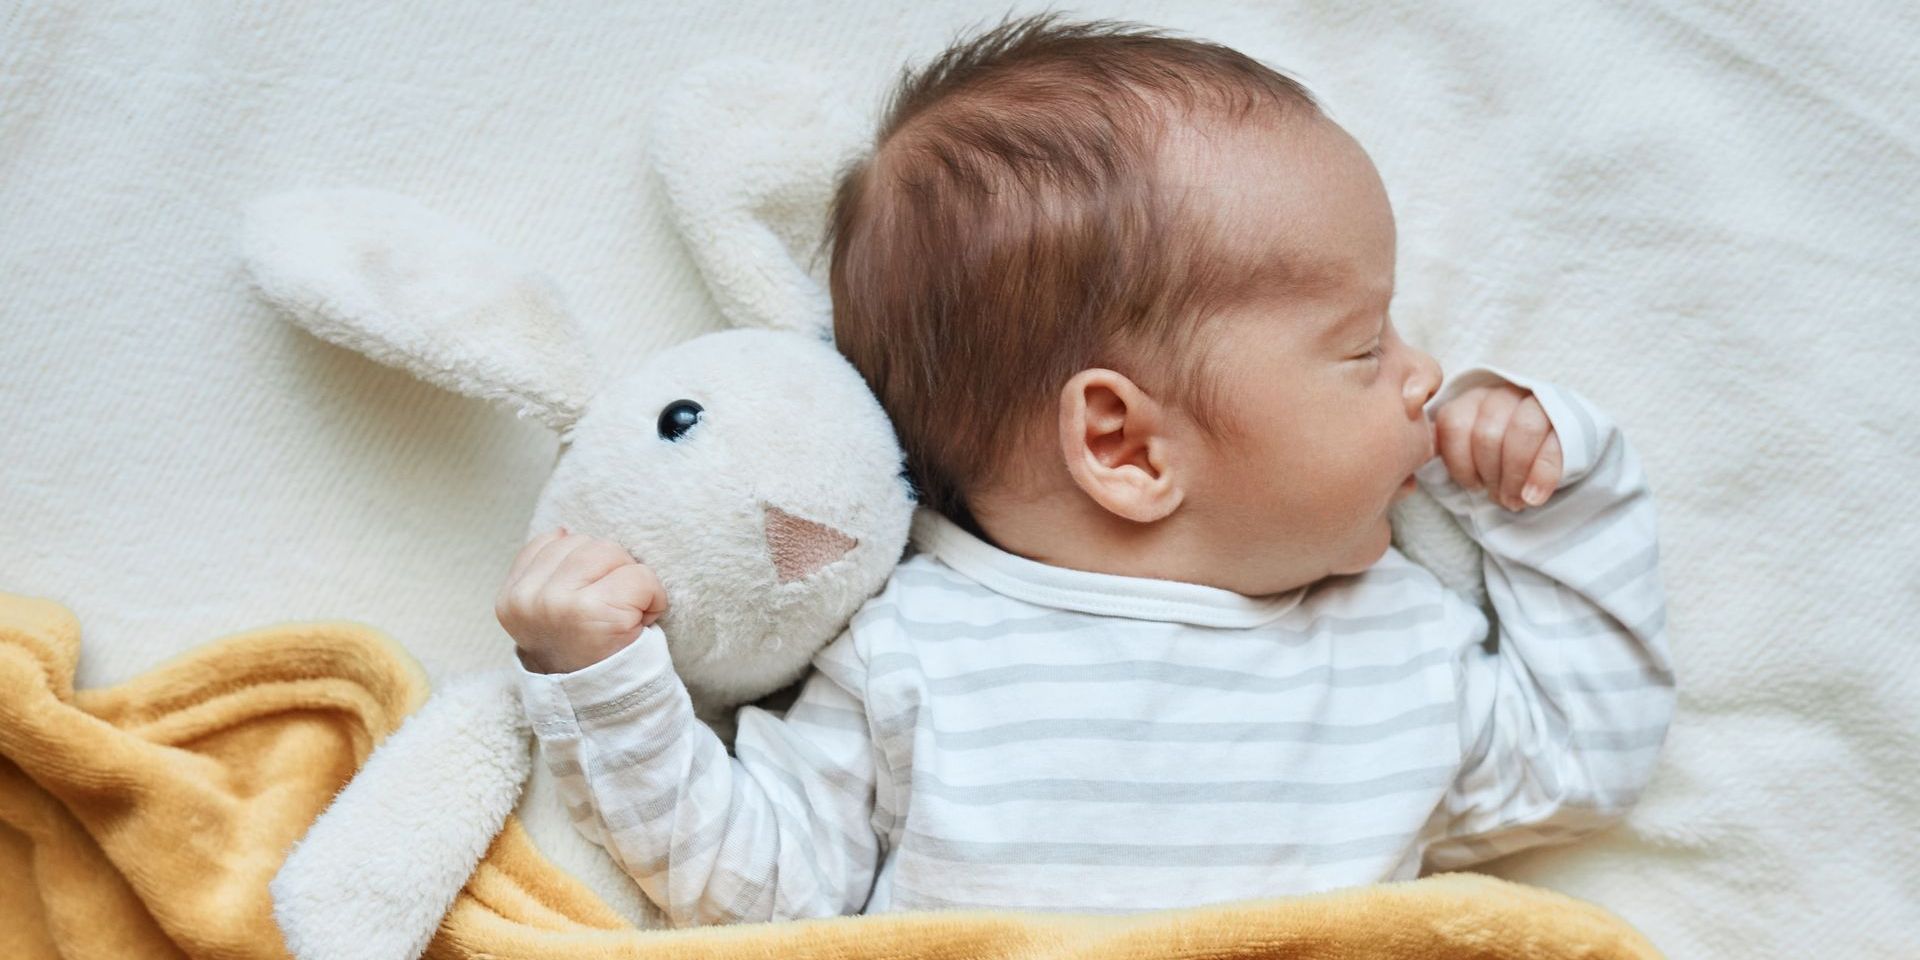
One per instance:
(999,733)
(1699,215)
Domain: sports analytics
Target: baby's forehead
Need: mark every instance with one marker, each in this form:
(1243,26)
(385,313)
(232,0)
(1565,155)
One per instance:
(1295,207)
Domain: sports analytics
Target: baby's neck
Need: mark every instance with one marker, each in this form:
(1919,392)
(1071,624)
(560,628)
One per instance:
(1074,532)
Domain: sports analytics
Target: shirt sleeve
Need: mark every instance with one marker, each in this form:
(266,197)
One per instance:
(1567,704)
(782,830)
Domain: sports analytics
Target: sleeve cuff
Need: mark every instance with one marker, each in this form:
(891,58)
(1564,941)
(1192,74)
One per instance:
(1574,419)
(553,697)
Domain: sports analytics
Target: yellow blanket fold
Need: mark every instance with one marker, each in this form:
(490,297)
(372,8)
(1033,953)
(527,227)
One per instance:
(145,820)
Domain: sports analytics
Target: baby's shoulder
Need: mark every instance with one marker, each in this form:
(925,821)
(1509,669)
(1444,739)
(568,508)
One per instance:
(920,592)
(921,584)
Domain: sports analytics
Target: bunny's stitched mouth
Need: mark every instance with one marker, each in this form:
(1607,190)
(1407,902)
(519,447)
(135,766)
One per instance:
(799,547)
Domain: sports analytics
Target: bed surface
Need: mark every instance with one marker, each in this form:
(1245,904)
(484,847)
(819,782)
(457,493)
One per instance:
(1704,220)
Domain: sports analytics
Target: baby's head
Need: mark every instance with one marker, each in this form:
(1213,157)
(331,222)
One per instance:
(1125,298)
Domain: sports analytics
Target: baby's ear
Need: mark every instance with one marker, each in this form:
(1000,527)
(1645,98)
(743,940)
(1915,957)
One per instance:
(748,152)
(381,274)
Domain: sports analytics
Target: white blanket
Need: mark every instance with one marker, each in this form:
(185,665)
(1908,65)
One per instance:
(1703,220)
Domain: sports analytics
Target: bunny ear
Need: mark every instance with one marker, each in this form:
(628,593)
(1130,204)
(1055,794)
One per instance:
(749,151)
(380,867)
(379,273)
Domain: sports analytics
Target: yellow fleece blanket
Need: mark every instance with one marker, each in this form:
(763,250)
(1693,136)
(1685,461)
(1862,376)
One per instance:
(145,820)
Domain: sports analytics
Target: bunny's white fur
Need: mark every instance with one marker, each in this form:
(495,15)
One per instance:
(769,521)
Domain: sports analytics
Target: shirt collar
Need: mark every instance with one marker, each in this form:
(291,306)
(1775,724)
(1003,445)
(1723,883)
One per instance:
(1109,594)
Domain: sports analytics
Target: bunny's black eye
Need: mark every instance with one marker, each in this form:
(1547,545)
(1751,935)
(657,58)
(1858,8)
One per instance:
(678,418)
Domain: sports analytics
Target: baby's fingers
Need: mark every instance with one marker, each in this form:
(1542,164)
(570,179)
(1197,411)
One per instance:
(1544,478)
(633,587)
(1453,436)
(1527,429)
(1490,437)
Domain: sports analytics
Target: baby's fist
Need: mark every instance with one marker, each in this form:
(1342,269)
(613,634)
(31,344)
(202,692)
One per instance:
(571,601)
(1498,438)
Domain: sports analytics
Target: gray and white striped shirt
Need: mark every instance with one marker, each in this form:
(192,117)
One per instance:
(990,731)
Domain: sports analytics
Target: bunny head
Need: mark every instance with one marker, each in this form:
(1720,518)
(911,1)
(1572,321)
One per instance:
(751,469)
(754,471)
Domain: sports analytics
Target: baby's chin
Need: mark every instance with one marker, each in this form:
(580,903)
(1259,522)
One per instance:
(1383,538)
(1370,548)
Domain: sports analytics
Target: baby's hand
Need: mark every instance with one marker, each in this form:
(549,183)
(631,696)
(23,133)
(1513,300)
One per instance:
(572,600)
(1498,437)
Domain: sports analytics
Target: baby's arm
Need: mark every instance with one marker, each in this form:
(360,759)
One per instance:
(783,831)
(1563,721)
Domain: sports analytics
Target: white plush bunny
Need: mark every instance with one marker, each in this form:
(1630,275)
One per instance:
(751,469)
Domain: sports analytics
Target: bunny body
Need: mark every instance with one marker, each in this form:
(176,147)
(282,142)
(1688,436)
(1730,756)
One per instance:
(768,521)
(769,499)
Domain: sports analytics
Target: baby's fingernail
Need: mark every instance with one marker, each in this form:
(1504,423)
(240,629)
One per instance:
(1533,494)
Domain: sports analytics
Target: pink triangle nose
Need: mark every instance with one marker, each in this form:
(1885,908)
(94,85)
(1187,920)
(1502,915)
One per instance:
(799,547)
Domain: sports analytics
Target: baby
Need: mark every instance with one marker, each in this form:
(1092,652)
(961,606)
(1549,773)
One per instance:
(1125,297)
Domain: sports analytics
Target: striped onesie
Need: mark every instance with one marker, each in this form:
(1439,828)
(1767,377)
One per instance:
(994,732)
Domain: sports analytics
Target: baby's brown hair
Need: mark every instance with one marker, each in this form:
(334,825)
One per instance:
(1006,233)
